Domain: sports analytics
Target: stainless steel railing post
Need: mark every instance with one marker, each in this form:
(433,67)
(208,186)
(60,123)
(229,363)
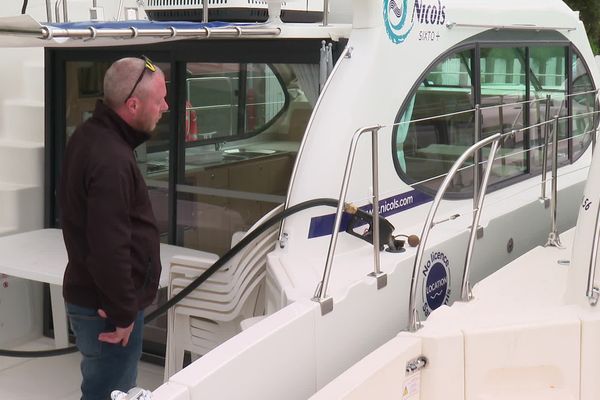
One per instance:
(325,12)
(377,274)
(57,10)
(119,10)
(465,287)
(553,237)
(65,7)
(543,197)
(592,293)
(321,292)
(594,131)
(375,178)
(412,306)
(477,155)
(49,10)
(205,11)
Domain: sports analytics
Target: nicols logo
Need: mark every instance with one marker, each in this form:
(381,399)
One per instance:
(400,20)
(436,282)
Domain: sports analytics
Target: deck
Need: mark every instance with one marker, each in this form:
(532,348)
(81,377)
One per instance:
(55,378)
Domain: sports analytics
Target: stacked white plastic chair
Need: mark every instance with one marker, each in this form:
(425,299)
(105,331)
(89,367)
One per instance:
(212,312)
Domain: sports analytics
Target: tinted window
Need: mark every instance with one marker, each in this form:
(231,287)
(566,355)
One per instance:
(547,76)
(427,147)
(583,106)
(521,91)
(503,91)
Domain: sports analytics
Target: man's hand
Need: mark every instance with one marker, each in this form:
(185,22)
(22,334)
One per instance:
(120,335)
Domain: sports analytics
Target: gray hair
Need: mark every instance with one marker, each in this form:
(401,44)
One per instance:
(120,79)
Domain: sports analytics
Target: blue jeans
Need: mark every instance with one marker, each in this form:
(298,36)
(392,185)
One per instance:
(105,367)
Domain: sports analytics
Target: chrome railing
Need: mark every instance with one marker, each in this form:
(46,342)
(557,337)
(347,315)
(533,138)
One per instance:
(493,140)
(543,197)
(321,291)
(553,237)
(592,292)
(49,10)
(480,189)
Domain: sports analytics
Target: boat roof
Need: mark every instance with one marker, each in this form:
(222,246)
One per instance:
(24,31)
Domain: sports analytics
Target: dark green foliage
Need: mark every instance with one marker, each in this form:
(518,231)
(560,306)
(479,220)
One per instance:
(589,13)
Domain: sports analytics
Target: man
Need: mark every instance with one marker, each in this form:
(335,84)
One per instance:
(109,228)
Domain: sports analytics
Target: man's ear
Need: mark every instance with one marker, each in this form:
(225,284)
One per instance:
(132,104)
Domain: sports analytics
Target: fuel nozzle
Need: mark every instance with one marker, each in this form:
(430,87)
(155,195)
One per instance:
(359,218)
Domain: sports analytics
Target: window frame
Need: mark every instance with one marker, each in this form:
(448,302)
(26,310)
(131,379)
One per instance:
(475,44)
(177,54)
(240,133)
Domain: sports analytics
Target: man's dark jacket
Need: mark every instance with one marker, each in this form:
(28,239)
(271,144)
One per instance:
(108,225)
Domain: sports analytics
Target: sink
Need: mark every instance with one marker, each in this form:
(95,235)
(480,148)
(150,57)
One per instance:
(155,167)
(226,155)
(249,153)
(243,154)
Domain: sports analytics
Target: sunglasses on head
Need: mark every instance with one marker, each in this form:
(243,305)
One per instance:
(148,65)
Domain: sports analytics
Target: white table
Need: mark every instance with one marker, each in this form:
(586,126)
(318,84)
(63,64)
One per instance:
(41,256)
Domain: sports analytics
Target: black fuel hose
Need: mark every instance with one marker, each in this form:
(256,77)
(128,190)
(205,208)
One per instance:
(196,282)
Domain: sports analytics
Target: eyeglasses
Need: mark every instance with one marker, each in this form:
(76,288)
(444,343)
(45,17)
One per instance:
(148,65)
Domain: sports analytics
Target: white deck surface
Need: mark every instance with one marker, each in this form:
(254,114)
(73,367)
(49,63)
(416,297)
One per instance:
(55,378)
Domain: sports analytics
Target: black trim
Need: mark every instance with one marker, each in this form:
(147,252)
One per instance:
(242,93)
(176,144)
(233,14)
(50,209)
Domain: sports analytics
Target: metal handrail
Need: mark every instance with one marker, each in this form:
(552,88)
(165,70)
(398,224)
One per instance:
(537,28)
(325,12)
(346,53)
(49,10)
(472,110)
(47,33)
(120,9)
(553,237)
(429,220)
(321,291)
(56,10)
(592,292)
(545,150)
(465,287)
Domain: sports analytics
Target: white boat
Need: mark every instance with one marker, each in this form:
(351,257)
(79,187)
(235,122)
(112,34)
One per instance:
(267,114)
(528,331)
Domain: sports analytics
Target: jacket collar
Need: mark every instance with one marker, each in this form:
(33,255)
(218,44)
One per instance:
(132,136)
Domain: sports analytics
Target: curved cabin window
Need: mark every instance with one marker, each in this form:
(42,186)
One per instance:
(519,87)
(230,101)
(548,91)
(503,91)
(583,105)
(437,125)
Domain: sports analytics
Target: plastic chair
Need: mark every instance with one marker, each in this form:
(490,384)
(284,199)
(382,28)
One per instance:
(212,312)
